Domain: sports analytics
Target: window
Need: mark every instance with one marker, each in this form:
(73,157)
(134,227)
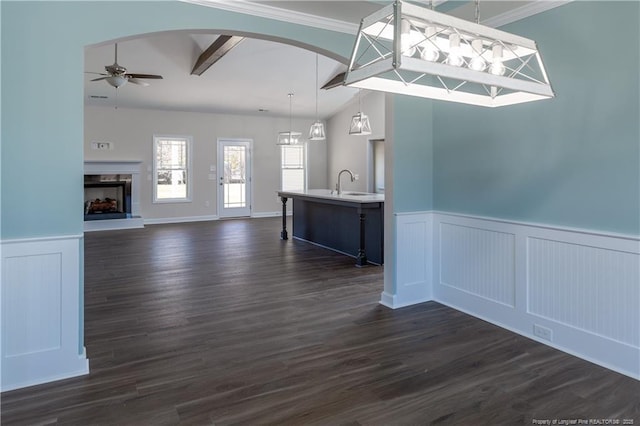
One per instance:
(172,169)
(293,176)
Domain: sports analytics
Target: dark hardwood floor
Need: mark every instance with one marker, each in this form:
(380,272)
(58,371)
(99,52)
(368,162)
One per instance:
(223,323)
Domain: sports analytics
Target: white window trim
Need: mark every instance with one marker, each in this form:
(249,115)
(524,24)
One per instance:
(189,140)
(306,166)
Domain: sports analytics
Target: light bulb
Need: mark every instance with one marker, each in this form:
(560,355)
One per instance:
(455,58)
(477,63)
(497,67)
(429,49)
(116,80)
(405,39)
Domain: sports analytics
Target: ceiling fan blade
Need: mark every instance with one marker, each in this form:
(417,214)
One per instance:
(157,77)
(139,82)
(101,78)
(97,73)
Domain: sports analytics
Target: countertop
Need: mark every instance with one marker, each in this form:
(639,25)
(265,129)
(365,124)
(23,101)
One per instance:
(327,194)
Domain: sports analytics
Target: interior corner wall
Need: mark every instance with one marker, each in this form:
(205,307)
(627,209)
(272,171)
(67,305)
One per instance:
(345,151)
(131,132)
(408,201)
(571,161)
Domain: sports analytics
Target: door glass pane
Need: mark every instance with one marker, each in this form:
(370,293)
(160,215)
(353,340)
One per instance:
(234,179)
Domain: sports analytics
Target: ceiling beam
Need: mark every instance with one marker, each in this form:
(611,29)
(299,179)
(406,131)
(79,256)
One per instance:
(220,47)
(336,80)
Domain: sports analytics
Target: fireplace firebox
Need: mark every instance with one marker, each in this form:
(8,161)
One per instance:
(107,197)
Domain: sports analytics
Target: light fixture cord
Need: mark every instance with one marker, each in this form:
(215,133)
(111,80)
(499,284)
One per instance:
(431,4)
(317,87)
(477,11)
(290,119)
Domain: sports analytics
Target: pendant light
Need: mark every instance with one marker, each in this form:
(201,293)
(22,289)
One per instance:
(316,133)
(408,49)
(290,137)
(360,123)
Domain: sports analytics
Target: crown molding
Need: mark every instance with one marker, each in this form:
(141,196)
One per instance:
(276,13)
(523,12)
(279,14)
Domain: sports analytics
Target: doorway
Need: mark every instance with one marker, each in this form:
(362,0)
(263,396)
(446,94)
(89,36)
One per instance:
(234,189)
(375,182)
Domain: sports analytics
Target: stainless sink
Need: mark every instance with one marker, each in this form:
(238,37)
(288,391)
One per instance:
(356,193)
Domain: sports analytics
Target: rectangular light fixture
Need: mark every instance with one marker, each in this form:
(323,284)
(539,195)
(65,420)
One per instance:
(412,50)
(289,138)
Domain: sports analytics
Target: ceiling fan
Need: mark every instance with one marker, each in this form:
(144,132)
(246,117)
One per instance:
(117,76)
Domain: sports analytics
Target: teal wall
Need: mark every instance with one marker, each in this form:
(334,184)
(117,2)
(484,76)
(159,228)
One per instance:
(571,161)
(412,154)
(42,94)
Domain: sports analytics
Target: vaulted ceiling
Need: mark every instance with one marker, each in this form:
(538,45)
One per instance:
(255,76)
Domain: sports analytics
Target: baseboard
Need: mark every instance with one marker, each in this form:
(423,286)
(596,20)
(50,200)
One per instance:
(266,214)
(184,219)
(392,301)
(82,369)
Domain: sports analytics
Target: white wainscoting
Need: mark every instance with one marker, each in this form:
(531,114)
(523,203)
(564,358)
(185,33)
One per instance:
(489,270)
(582,286)
(412,274)
(41,302)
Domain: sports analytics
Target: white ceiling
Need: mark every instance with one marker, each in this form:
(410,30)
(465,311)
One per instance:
(257,74)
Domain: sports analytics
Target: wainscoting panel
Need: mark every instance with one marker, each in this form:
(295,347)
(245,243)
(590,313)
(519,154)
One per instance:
(41,301)
(479,261)
(575,290)
(589,288)
(32,330)
(413,260)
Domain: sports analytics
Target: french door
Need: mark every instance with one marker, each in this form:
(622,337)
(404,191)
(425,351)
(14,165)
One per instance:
(234,181)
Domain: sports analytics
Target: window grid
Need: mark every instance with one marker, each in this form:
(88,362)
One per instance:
(172,172)
(293,168)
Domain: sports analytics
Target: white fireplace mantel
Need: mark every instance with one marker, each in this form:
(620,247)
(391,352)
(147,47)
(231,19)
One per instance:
(112,167)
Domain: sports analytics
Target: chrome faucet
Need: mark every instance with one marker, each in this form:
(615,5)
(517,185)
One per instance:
(339,185)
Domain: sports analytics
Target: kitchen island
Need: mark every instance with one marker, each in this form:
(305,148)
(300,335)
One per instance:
(351,223)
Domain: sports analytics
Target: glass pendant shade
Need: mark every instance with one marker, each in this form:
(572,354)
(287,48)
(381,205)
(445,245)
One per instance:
(117,81)
(316,133)
(289,138)
(360,125)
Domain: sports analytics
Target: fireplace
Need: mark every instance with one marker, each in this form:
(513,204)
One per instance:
(107,197)
(112,195)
